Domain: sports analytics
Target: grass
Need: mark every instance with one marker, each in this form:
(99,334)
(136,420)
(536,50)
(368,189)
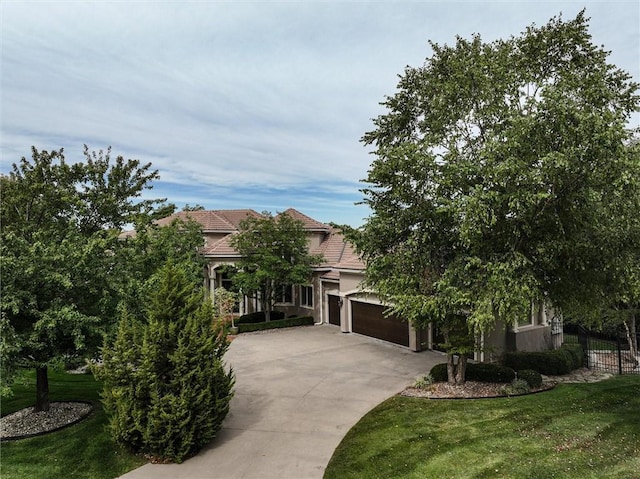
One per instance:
(84,450)
(573,431)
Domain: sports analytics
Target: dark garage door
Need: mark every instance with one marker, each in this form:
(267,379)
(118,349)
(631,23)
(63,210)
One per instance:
(334,310)
(369,319)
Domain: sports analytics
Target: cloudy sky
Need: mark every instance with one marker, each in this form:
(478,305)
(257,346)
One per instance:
(242,104)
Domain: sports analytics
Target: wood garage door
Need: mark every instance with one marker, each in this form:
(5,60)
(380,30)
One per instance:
(369,319)
(334,310)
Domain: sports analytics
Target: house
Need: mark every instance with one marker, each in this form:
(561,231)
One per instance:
(335,295)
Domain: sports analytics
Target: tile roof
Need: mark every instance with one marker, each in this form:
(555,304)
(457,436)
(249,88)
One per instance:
(338,253)
(222,247)
(221,221)
(309,223)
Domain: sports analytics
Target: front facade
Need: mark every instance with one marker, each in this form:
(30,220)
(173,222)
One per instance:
(334,294)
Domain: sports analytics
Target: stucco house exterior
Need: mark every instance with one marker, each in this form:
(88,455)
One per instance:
(335,296)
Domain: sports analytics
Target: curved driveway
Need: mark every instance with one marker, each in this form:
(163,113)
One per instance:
(298,391)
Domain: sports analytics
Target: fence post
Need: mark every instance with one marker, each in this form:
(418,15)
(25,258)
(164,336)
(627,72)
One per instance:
(619,353)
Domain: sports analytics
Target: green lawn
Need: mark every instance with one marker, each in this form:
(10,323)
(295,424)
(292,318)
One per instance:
(84,450)
(573,431)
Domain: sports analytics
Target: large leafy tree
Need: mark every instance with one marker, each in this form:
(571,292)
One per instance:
(60,226)
(275,255)
(504,174)
(142,252)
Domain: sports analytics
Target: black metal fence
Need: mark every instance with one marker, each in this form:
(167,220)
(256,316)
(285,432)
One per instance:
(605,352)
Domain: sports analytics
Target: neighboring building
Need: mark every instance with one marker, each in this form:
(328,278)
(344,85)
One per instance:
(335,296)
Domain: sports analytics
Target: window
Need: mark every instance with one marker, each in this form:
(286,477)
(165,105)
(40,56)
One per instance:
(285,295)
(306,296)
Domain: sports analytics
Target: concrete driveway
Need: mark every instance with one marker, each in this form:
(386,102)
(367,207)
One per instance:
(298,391)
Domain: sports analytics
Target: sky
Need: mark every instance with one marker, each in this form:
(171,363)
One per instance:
(242,104)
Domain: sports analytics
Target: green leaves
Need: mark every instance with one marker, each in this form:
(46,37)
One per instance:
(498,180)
(59,249)
(274,254)
(166,389)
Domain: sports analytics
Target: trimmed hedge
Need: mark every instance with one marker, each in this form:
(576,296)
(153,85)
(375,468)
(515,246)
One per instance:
(258,317)
(555,362)
(490,373)
(482,372)
(275,324)
(439,373)
(533,378)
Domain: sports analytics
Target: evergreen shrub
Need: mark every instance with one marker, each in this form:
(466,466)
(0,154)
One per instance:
(258,317)
(439,373)
(482,372)
(577,353)
(533,378)
(275,324)
(489,373)
(166,388)
(554,362)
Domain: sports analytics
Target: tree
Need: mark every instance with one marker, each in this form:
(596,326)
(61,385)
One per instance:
(141,254)
(166,389)
(503,176)
(275,255)
(60,226)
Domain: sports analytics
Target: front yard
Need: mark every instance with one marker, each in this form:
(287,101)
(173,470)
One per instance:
(573,431)
(84,450)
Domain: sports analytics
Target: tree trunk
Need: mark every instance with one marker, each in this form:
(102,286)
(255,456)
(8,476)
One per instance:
(632,339)
(42,389)
(456,372)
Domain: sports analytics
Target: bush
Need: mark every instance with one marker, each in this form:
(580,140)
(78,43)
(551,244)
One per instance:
(533,378)
(554,362)
(275,324)
(423,382)
(577,353)
(483,372)
(489,373)
(166,389)
(516,387)
(258,317)
(439,373)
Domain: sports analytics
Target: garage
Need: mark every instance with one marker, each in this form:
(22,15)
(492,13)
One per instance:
(334,309)
(369,319)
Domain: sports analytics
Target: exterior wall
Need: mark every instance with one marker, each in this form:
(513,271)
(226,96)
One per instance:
(533,338)
(315,239)
(211,238)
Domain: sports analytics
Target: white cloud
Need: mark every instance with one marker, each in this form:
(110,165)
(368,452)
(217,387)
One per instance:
(218,94)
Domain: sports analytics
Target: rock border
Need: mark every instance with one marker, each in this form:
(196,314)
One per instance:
(80,418)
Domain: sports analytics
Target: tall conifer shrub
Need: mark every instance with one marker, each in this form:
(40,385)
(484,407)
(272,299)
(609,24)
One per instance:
(166,389)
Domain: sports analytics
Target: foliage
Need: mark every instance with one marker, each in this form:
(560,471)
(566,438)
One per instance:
(259,317)
(275,324)
(555,362)
(83,450)
(274,255)
(60,224)
(423,381)
(490,373)
(166,390)
(483,372)
(577,354)
(503,175)
(533,378)
(224,302)
(574,431)
(516,387)
(152,246)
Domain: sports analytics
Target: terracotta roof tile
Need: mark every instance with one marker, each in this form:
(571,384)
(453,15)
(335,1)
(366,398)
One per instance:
(222,247)
(309,223)
(222,221)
